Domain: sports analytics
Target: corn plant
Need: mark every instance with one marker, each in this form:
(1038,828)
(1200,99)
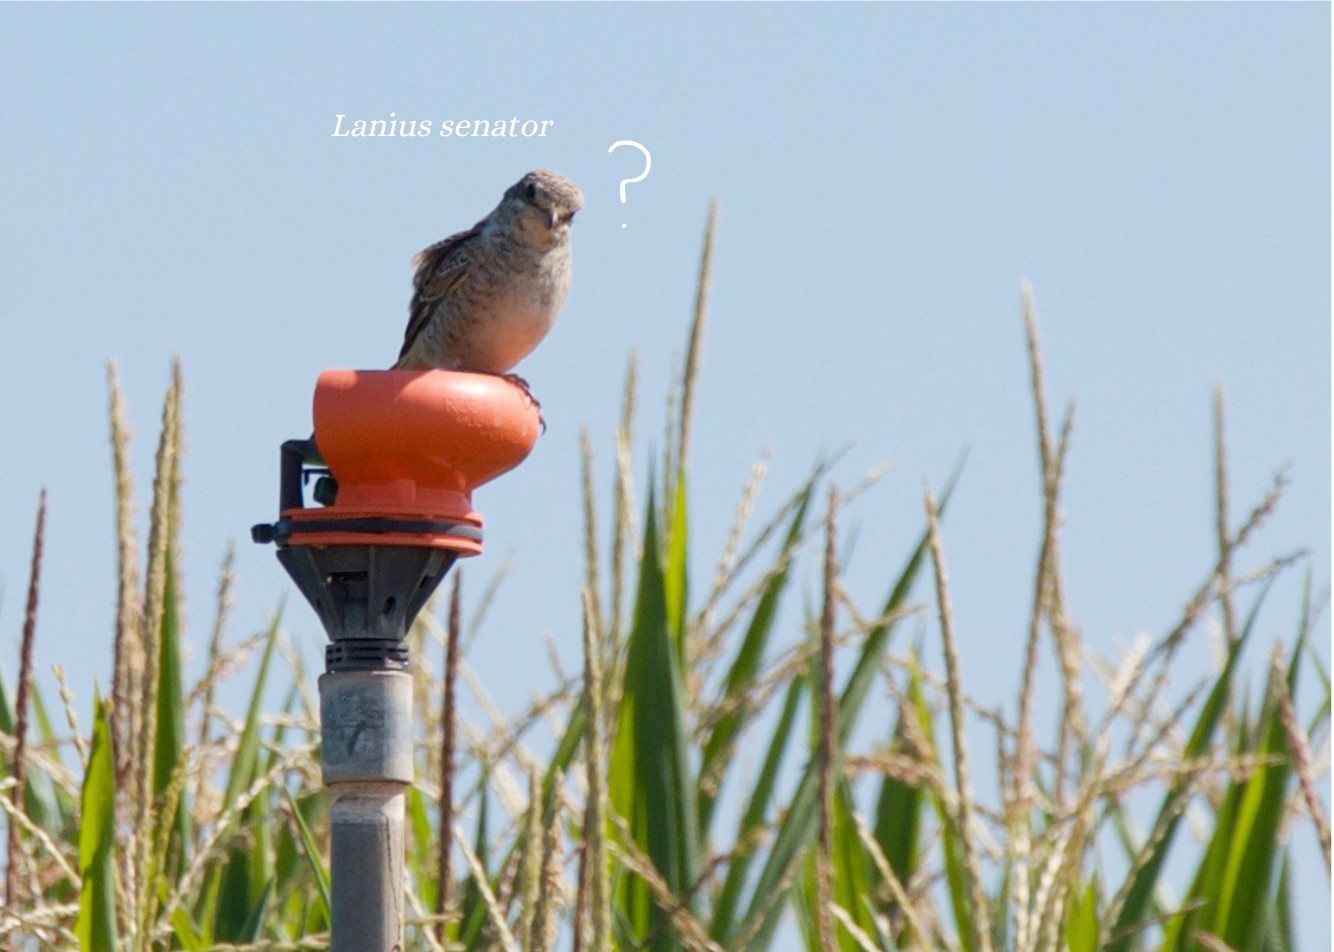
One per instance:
(613,812)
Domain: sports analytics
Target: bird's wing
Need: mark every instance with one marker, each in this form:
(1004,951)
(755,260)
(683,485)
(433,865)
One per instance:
(441,270)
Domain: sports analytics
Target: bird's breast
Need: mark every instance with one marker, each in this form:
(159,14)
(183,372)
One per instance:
(512,317)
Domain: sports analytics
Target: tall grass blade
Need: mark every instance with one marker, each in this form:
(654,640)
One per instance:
(1145,874)
(852,872)
(169,748)
(310,849)
(898,814)
(650,785)
(419,856)
(570,742)
(721,741)
(676,582)
(1254,852)
(48,805)
(185,932)
(752,820)
(289,866)
(250,931)
(1081,921)
(797,828)
(1280,934)
(472,906)
(951,847)
(237,886)
(96,925)
(595,813)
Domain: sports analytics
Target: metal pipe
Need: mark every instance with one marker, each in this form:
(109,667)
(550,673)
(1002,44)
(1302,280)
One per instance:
(366,882)
(366,756)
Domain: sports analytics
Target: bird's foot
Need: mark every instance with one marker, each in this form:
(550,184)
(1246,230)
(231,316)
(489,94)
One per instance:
(528,392)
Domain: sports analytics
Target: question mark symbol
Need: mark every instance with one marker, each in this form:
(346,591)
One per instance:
(648,164)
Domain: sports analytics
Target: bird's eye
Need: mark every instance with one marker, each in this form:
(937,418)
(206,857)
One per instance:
(530,192)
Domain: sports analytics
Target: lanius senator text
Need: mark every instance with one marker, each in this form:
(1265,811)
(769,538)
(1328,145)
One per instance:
(410,128)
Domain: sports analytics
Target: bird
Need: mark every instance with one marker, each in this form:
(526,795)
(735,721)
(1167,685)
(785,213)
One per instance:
(484,298)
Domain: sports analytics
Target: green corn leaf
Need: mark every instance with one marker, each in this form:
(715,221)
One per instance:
(40,717)
(472,908)
(1254,853)
(1131,843)
(186,933)
(1081,920)
(316,919)
(951,843)
(803,906)
(1313,661)
(170,746)
(50,801)
(799,825)
(898,815)
(418,855)
(560,763)
(719,745)
(289,868)
(251,930)
(206,907)
(96,925)
(284,863)
(852,868)
(726,904)
(1281,933)
(48,805)
(675,580)
(311,850)
(1000,923)
(232,890)
(246,762)
(1230,894)
(1135,911)
(650,783)
(1322,710)
(291,873)
(1209,874)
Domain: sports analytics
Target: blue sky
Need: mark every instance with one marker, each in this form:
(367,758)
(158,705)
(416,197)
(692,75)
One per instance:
(887,176)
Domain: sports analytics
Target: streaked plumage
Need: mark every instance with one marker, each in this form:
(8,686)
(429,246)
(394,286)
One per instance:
(485,297)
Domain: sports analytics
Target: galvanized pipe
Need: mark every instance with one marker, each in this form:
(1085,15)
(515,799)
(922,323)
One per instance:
(366,756)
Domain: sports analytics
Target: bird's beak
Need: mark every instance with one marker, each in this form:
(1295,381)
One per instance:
(552,218)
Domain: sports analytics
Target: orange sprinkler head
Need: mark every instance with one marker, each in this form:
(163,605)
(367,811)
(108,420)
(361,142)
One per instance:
(409,447)
(400,452)
(398,438)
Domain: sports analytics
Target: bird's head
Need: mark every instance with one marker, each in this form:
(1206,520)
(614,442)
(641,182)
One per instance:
(545,203)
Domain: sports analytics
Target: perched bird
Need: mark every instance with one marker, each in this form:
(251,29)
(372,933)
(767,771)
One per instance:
(485,297)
